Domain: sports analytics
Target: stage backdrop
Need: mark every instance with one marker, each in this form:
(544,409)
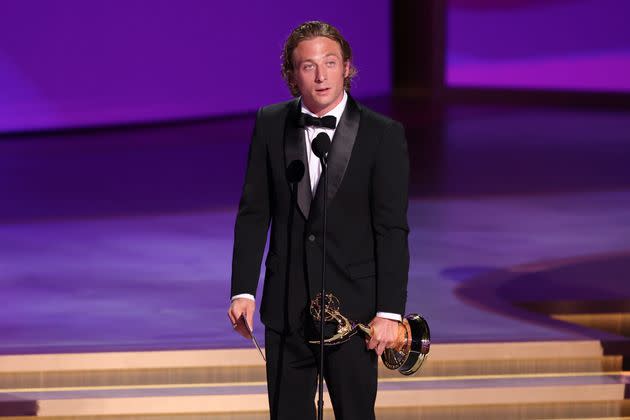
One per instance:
(68,63)
(581,45)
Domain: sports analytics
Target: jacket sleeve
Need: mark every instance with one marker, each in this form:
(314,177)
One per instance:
(252,220)
(390,189)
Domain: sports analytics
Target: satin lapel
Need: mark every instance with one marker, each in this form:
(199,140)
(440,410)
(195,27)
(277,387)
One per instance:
(294,149)
(339,156)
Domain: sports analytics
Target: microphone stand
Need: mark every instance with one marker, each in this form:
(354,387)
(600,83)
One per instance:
(320,402)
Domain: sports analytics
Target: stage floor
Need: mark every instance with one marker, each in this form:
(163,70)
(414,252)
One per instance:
(122,239)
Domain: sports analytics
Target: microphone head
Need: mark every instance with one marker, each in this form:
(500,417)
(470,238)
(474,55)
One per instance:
(321,145)
(295,171)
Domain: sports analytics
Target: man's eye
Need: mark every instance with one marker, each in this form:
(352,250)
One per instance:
(308,67)
(331,63)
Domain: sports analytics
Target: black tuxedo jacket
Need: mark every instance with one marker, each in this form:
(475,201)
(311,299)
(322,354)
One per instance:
(367,250)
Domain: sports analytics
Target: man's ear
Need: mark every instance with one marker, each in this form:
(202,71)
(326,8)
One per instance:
(346,69)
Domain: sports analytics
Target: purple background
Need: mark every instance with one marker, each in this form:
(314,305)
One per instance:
(547,44)
(70,63)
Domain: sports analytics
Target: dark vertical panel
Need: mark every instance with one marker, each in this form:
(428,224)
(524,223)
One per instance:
(418,51)
(418,29)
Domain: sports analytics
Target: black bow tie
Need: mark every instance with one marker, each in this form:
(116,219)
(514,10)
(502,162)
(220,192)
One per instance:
(306,120)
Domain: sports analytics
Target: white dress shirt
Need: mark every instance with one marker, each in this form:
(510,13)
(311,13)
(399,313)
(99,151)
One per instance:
(310,132)
(315,170)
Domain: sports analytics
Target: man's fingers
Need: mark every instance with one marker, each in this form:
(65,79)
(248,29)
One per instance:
(235,314)
(240,327)
(387,343)
(377,346)
(373,343)
(250,320)
(231,316)
(240,307)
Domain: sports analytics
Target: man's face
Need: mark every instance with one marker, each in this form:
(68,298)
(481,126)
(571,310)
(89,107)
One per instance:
(319,72)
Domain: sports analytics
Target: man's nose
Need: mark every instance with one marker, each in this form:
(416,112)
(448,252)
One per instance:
(321,75)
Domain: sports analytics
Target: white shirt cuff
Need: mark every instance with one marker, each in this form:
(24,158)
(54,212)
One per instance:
(243,296)
(389,315)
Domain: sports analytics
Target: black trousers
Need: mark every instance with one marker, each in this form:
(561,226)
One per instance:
(350,373)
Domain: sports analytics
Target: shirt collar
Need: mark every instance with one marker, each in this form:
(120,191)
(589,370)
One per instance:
(335,112)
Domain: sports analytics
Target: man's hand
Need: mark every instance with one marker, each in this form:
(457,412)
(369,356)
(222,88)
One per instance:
(242,306)
(384,334)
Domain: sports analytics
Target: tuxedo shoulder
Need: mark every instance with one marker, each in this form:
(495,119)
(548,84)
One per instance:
(377,119)
(275,110)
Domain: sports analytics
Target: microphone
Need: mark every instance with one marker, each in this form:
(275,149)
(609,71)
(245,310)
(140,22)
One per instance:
(321,146)
(295,171)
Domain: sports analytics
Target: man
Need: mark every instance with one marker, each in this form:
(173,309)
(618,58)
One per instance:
(367,251)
